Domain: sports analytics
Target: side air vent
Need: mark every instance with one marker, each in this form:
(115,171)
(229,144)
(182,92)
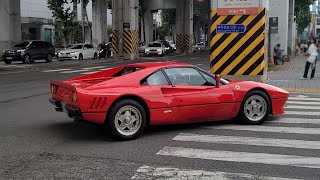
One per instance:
(98,103)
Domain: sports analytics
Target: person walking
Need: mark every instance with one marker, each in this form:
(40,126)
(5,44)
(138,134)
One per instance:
(312,54)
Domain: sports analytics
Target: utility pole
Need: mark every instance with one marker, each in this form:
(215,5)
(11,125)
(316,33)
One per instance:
(82,20)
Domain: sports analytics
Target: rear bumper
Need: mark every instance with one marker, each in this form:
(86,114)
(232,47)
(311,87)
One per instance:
(72,112)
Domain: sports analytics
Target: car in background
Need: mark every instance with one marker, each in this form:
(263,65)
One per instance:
(78,51)
(154,48)
(142,46)
(199,47)
(28,52)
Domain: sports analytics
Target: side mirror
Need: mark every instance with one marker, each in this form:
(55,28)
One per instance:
(217,78)
(85,48)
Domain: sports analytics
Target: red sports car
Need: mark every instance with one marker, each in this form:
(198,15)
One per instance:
(128,98)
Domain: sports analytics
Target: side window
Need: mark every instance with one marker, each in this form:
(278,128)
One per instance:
(37,44)
(156,79)
(185,76)
(210,79)
(88,46)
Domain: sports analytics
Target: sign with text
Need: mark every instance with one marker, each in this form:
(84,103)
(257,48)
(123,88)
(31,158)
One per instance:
(274,25)
(238,7)
(231,28)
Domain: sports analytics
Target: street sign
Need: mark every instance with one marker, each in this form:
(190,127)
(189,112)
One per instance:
(238,7)
(230,28)
(274,25)
(126,25)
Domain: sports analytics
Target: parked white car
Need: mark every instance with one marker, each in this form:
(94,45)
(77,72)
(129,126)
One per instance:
(78,51)
(154,48)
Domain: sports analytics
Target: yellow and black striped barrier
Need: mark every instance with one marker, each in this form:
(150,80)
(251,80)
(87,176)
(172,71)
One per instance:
(187,41)
(238,53)
(115,42)
(130,41)
(179,42)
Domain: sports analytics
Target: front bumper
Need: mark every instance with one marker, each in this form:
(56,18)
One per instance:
(12,57)
(72,112)
(67,56)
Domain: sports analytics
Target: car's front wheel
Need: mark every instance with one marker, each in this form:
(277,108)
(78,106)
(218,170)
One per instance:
(255,108)
(126,120)
(7,61)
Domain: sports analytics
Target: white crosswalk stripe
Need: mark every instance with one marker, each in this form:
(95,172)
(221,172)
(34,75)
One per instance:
(248,141)
(289,131)
(147,172)
(262,158)
(83,71)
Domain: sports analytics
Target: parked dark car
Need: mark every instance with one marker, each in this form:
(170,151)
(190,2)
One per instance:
(28,52)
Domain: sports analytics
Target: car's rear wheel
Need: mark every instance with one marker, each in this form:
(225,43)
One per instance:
(27,59)
(7,61)
(49,58)
(255,108)
(126,120)
(95,56)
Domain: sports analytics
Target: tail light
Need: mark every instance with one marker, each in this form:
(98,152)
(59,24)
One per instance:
(53,89)
(74,97)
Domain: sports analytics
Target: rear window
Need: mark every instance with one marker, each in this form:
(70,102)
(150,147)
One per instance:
(127,70)
(155,45)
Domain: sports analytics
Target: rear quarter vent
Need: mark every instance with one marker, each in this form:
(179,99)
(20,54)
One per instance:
(98,103)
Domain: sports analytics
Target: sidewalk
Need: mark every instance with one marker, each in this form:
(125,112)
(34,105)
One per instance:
(289,75)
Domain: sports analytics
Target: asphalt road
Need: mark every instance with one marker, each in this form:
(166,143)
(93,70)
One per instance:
(38,143)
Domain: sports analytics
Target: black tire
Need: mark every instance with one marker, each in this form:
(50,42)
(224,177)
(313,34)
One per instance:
(111,119)
(80,57)
(49,58)
(244,119)
(95,56)
(27,59)
(7,61)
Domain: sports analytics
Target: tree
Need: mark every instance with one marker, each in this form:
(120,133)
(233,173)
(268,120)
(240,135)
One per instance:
(64,19)
(303,14)
(169,20)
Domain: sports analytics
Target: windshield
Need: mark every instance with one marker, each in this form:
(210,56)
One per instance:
(154,45)
(74,47)
(23,44)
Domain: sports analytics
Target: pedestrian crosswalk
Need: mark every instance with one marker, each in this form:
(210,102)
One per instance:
(291,140)
(83,71)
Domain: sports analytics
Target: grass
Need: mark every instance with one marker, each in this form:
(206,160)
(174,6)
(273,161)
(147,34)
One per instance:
(271,67)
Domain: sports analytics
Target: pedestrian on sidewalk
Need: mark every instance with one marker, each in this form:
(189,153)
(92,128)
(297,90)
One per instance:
(278,55)
(312,54)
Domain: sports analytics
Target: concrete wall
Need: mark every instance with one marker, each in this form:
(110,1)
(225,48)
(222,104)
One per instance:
(162,4)
(280,9)
(10,28)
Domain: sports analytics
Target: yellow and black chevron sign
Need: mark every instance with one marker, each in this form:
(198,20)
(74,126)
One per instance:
(179,42)
(238,53)
(187,41)
(115,42)
(130,41)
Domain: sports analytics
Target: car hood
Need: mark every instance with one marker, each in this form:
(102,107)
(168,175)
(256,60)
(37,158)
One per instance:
(69,50)
(154,48)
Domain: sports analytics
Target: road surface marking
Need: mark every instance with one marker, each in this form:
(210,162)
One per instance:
(56,70)
(97,67)
(248,141)
(303,99)
(295,121)
(289,130)
(303,107)
(303,102)
(74,71)
(245,157)
(148,172)
(302,113)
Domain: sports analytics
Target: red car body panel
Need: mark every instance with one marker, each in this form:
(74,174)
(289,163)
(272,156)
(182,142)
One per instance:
(167,104)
